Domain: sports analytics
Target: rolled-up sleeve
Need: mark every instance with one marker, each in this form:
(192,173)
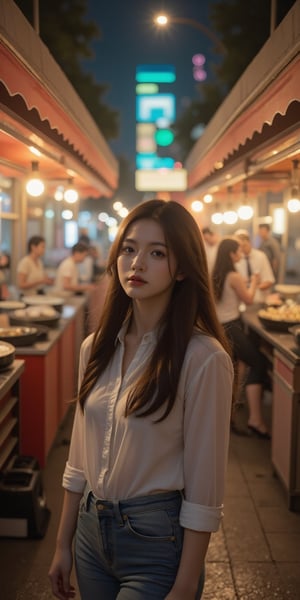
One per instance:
(208,398)
(74,478)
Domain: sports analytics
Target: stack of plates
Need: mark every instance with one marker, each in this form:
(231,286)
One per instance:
(6,305)
(39,300)
(288,291)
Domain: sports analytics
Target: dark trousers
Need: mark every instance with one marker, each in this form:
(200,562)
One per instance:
(245,350)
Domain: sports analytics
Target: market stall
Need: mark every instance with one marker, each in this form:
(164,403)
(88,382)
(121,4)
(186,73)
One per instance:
(283,355)
(248,155)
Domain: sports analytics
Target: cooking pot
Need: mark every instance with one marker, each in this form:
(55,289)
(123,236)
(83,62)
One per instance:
(281,318)
(295,331)
(7,355)
(19,336)
(35,315)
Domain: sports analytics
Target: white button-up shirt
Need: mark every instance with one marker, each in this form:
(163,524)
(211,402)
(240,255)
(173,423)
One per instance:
(121,458)
(260,264)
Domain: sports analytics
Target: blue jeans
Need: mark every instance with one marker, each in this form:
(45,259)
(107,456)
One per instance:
(129,550)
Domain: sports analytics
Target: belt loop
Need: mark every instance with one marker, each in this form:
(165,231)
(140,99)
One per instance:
(117,513)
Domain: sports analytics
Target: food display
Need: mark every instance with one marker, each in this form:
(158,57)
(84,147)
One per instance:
(274,300)
(7,355)
(39,300)
(36,311)
(281,318)
(43,314)
(19,336)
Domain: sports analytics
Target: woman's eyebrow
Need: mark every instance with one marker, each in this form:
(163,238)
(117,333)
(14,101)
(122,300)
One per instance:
(133,241)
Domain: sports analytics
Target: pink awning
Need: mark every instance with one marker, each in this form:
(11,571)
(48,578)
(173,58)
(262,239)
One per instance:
(275,100)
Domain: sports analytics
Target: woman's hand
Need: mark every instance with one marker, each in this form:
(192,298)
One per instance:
(255,278)
(59,575)
(48,280)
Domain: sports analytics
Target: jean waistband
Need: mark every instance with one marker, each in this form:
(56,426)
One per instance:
(130,505)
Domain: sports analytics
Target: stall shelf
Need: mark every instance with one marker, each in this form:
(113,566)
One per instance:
(9,411)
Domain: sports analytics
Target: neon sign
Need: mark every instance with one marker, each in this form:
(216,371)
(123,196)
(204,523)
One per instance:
(156,168)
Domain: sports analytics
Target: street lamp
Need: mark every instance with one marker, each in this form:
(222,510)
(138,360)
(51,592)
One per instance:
(163,20)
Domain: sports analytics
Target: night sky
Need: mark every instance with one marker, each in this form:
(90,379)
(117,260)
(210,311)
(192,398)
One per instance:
(129,38)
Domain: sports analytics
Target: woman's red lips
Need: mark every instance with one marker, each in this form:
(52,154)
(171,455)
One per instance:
(136,279)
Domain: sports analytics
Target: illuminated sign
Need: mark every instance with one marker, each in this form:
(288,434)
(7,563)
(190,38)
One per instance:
(155,74)
(146,88)
(145,138)
(152,107)
(152,161)
(199,72)
(164,137)
(156,180)
(156,167)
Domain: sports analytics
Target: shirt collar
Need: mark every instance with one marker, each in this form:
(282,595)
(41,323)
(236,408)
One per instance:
(149,337)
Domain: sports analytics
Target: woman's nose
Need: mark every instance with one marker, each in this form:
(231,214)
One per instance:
(138,262)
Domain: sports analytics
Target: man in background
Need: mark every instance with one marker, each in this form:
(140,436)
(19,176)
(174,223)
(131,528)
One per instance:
(67,280)
(254,261)
(211,243)
(270,246)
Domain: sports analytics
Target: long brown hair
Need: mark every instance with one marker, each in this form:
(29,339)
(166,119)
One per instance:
(223,264)
(191,305)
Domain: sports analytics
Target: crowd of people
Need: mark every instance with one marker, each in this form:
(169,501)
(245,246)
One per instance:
(75,274)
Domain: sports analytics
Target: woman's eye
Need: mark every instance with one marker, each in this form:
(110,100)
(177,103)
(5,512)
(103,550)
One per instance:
(126,250)
(158,253)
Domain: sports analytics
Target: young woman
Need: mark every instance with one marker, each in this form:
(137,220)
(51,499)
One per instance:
(230,291)
(145,475)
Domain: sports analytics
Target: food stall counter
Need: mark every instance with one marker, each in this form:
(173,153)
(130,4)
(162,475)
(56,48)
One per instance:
(49,381)
(284,356)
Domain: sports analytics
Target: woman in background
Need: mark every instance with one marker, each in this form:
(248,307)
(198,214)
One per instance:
(145,475)
(230,291)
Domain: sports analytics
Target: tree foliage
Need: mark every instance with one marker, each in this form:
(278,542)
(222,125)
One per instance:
(68,35)
(243,27)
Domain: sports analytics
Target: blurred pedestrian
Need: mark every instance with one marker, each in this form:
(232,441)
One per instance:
(271,247)
(31,274)
(67,280)
(4,276)
(84,237)
(230,290)
(148,453)
(211,241)
(256,262)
